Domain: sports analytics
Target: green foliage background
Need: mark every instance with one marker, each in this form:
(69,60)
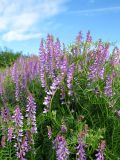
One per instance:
(7,57)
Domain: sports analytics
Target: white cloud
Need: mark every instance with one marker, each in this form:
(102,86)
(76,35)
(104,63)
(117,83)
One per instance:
(16,35)
(97,10)
(19,19)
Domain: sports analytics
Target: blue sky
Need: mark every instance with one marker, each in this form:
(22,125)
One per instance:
(24,22)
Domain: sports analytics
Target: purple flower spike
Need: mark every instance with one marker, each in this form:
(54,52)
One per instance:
(5,114)
(17,117)
(42,63)
(23,149)
(98,59)
(80,150)
(115,57)
(64,66)
(10,134)
(101,148)
(108,87)
(70,75)
(57,50)
(18,131)
(50,93)
(15,78)
(88,38)
(61,148)
(18,122)
(79,38)
(31,114)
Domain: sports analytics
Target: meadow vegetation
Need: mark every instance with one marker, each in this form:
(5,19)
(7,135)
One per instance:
(63,104)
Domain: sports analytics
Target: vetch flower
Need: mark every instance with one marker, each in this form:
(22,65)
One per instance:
(51,93)
(97,60)
(70,75)
(100,150)
(80,155)
(115,59)
(63,128)
(42,63)
(18,123)
(18,129)
(10,134)
(60,145)
(31,113)
(15,78)
(88,37)
(24,148)
(108,87)
(5,113)
(79,38)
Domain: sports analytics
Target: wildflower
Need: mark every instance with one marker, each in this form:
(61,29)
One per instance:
(79,38)
(15,78)
(70,78)
(18,122)
(58,53)
(115,60)
(98,59)
(50,93)
(42,64)
(50,55)
(80,150)
(10,134)
(63,128)
(18,132)
(63,66)
(49,132)
(100,150)
(5,113)
(23,149)
(1,84)
(61,148)
(31,114)
(74,50)
(88,38)
(108,87)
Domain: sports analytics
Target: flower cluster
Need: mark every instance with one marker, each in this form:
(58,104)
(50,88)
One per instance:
(5,113)
(42,64)
(31,114)
(18,133)
(80,150)
(57,71)
(10,133)
(24,148)
(97,68)
(61,148)
(115,59)
(108,87)
(100,150)
(15,78)
(70,75)
(50,93)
